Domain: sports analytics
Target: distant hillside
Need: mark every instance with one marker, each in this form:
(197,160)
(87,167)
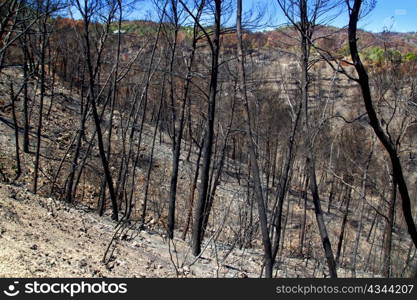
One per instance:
(334,39)
(330,38)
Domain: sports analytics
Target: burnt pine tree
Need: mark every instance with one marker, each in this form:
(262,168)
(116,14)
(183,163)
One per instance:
(255,172)
(178,130)
(389,145)
(86,10)
(214,44)
(306,25)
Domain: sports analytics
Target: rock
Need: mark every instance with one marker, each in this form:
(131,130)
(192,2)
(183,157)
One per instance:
(34,247)
(184,270)
(82,263)
(136,244)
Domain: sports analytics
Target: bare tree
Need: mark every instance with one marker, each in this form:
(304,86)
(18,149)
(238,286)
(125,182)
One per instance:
(178,130)
(255,172)
(214,44)
(45,10)
(308,14)
(355,9)
(87,10)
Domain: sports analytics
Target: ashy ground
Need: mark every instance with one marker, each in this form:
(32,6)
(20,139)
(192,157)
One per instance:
(40,237)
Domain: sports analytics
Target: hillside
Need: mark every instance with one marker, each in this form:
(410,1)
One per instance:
(183,147)
(43,237)
(46,237)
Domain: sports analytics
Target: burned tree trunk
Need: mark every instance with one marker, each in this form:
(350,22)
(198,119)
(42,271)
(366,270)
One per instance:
(390,146)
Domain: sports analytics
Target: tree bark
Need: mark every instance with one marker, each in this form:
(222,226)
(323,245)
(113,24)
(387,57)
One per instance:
(263,219)
(208,143)
(363,81)
(386,272)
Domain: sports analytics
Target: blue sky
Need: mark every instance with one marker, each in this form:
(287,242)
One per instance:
(395,15)
(400,14)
